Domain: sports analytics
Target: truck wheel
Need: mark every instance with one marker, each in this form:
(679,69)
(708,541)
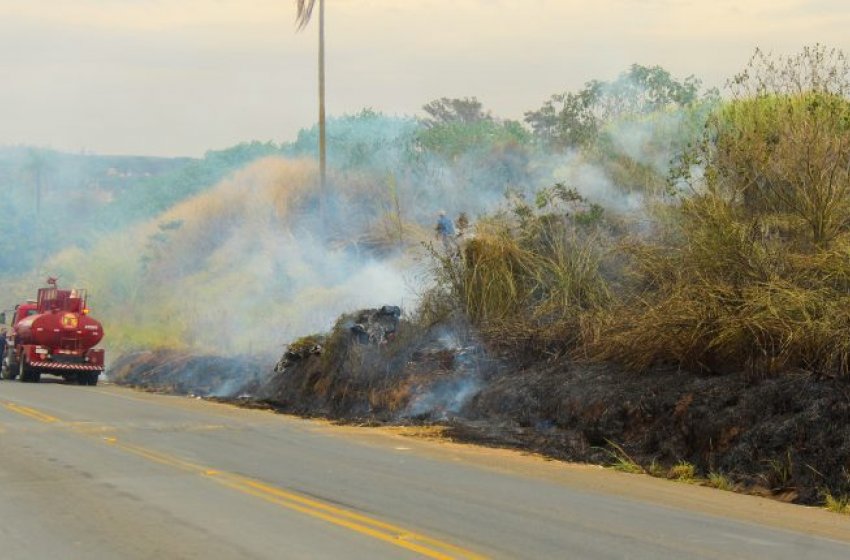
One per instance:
(27,373)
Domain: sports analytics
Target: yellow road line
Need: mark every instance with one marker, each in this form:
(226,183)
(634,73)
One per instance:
(402,539)
(359,523)
(399,532)
(32,413)
(398,536)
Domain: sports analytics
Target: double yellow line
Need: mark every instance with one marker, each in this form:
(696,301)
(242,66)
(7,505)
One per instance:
(32,413)
(398,536)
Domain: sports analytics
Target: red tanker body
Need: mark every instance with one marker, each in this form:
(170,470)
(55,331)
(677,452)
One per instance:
(54,335)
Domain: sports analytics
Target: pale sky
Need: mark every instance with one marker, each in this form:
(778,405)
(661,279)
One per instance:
(179,77)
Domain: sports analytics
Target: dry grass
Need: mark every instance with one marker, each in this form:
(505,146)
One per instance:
(749,272)
(720,481)
(621,461)
(729,296)
(682,472)
(837,504)
(752,272)
(530,281)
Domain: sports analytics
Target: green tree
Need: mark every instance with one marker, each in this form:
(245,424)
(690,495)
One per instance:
(456,127)
(574,119)
(781,148)
(446,110)
(39,165)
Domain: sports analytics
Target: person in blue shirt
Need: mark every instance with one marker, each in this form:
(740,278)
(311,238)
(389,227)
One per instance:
(446,231)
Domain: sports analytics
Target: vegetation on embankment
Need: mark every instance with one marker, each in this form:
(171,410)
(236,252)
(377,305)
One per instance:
(728,303)
(164,246)
(725,299)
(743,266)
(693,313)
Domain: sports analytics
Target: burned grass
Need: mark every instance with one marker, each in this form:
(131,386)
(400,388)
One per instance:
(784,436)
(374,365)
(186,373)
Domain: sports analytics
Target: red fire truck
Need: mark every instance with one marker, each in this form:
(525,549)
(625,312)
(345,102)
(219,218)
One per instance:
(55,335)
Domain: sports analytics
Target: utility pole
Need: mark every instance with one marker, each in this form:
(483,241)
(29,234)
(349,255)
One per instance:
(323,156)
(304,12)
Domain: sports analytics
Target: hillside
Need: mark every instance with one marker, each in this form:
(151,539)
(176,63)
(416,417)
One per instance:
(54,200)
(673,258)
(685,318)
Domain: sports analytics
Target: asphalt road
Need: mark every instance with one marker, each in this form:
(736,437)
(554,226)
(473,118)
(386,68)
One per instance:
(107,473)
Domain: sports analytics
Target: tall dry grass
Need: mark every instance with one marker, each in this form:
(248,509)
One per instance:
(748,270)
(753,272)
(531,278)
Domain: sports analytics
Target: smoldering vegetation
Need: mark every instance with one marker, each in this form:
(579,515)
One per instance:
(645,274)
(376,366)
(191,374)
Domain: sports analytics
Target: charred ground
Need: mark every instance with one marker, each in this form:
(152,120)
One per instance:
(787,436)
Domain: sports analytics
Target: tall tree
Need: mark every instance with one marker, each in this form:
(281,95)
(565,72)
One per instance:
(573,119)
(304,14)
(445,110)
(38,165)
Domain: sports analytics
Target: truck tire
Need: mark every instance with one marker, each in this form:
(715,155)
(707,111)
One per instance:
(87,378)
(27,373)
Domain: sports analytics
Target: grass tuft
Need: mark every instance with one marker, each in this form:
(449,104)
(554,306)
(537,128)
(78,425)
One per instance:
(682,472)
(622,461)
(837,504)
(720,481)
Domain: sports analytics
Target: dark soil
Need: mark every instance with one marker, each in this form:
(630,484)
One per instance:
(787,436)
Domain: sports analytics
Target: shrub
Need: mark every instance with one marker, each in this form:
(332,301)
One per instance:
(720,481)
(839,504)
(682,471)
(532,277)
(752,270)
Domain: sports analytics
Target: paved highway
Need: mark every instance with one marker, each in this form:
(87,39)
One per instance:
(108,473)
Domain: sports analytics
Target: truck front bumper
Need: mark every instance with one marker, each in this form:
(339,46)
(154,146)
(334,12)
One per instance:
(66,367)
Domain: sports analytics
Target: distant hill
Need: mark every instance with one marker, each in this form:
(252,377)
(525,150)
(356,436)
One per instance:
(53,199)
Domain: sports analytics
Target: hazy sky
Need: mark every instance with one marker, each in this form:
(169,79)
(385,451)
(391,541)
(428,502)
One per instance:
(178,77)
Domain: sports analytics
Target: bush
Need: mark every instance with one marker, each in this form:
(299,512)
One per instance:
(682,471)
(530,278)
(752,271)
